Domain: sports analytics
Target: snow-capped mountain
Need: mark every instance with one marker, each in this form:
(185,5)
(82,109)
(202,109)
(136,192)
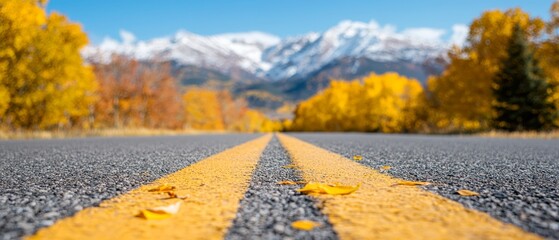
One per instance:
(268,57)
(226,52)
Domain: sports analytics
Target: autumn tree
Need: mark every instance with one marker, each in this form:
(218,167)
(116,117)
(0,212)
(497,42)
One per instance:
(202,109)
(548,53)
(43,80)
(460,99)
(376,103)
(166,109)
(218,110)
(134,94)
(522,94)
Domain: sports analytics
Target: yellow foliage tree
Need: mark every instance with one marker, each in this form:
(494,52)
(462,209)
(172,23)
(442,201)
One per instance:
(202,109)
(548,53)
(460,99)
(41,69)
(378,103)
(207,109)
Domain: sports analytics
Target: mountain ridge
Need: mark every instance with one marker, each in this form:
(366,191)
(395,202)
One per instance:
(269,57)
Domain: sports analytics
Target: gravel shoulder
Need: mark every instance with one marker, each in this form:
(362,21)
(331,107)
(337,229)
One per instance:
(518,179)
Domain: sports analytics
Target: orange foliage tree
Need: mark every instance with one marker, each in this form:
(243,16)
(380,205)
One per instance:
(134,94)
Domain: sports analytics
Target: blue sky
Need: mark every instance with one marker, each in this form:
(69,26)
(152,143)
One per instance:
(149,19)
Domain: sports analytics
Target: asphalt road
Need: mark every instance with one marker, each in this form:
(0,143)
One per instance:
(42,181)
(45,180)
(518,179)
(268,208)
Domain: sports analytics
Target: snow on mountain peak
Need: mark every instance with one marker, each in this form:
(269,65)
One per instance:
(270,57)
(264,40)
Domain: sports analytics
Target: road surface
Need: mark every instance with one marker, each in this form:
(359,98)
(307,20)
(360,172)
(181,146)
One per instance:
(70,187)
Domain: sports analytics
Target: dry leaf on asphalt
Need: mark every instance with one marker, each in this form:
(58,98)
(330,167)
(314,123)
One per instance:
(305,225)
(163,188)
(467,193)
(357,157)
(158,213)
(287,182)
(385,168)
(331,189)
(412,183)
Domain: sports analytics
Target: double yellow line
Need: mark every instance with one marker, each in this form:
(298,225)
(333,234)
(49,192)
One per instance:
(215,186)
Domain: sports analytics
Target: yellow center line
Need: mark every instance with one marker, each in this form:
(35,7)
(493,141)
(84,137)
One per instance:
(213,186)
(380,210)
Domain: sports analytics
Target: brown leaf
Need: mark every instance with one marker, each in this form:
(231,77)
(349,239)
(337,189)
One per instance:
(163,188)
(467,193)
(172,194)
(412,183)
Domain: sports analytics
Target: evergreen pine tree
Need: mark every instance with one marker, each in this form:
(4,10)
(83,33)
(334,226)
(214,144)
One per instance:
(521,91)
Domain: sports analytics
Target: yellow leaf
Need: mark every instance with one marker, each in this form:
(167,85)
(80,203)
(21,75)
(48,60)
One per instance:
(290,166)
(163,188)
(467,193)
(331,189)
(310,188)
(385,168)
(357,157)
(149,215)
(305,225)
(340,190)
(159,213)
(287,182)
(412,183)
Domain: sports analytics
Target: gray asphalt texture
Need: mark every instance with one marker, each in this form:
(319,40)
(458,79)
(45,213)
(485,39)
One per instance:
(268,209)
(42,181)
(518,179)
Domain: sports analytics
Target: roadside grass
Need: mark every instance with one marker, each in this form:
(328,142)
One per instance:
(7,135)
(530,134)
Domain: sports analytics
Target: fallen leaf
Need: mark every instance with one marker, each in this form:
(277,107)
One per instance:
(331,189)
(385,168)
(290,166)
(339,189)
(287,182)
(467,193)
(411,183)
(305,225)
(149,215)
(172,194)
(163,188)
(158,213)
(357,157)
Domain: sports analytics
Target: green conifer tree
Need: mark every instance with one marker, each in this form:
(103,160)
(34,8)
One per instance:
(522,94)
